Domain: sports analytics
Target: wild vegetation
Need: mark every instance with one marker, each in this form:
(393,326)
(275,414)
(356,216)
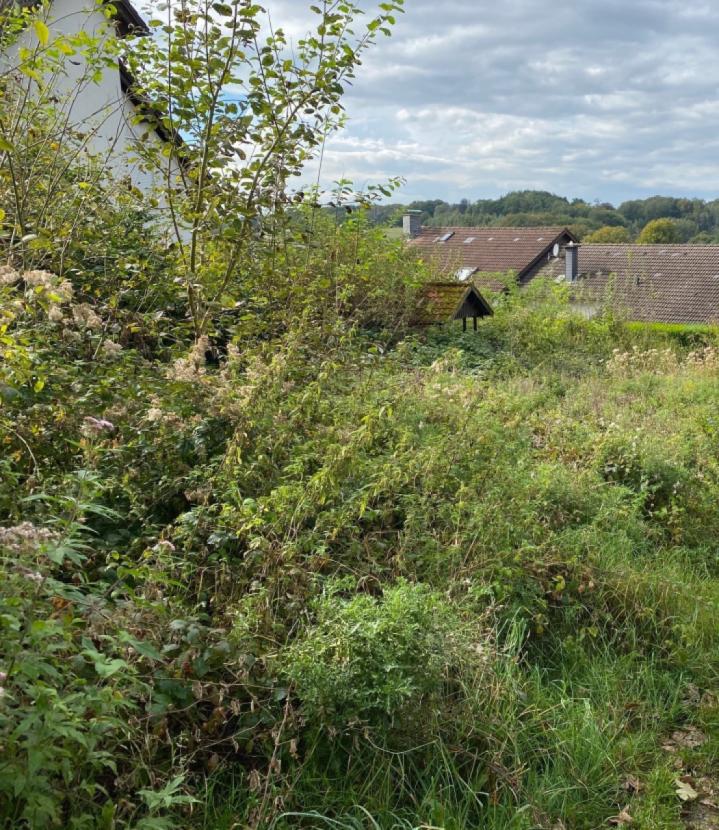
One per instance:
(271,557)
(680,220)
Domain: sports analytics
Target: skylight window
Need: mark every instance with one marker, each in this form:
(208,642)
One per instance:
(465,273)
(469,239)
(446,237)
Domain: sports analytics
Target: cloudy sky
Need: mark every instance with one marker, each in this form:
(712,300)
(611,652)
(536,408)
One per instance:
(599,99)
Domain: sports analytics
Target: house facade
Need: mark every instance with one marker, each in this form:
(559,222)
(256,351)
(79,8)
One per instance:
(100,109)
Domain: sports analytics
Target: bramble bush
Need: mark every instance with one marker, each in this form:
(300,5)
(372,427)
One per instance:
(270,556)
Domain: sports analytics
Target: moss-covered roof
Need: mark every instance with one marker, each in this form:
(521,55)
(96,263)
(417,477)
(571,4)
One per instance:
(445,301)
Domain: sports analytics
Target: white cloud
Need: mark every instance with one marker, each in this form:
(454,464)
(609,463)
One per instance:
(594,98)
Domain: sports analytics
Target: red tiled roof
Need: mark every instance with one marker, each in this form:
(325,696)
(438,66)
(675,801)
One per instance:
(488,250)
(648,283)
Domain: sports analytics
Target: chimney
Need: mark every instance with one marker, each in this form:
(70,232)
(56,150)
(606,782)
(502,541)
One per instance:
(571,262)
(412,223)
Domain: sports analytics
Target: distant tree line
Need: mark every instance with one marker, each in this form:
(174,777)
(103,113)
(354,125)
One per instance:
(681,220)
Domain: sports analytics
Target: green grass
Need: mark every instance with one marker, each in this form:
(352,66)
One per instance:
(684,334)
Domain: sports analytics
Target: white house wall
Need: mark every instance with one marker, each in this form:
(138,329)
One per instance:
(100,110)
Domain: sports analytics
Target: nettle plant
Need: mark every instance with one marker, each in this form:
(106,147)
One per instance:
(247,110)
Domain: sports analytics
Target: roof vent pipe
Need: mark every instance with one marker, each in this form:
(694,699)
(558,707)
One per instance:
(571,262)
(412,223)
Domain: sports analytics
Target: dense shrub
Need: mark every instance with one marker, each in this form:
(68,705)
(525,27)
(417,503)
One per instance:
(365,659)
(71,685)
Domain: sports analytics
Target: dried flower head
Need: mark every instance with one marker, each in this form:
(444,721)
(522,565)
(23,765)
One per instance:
(85,317)
(8,275)
(61,290)
(111,348)
(55,315)
(25,537)
(40,279)
(193,366)
(64,291)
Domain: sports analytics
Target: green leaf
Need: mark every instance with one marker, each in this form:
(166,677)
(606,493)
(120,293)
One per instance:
(42,32)
(109,667)
(6,146)
(141,647)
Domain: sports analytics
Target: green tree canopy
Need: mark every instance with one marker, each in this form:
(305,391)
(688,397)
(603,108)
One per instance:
(609,234)
(658,232)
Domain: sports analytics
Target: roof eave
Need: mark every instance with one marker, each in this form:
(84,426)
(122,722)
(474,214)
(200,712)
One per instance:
(129,15)
(472,289)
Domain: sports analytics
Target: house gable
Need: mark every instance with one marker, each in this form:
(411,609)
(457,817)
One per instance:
(104,111)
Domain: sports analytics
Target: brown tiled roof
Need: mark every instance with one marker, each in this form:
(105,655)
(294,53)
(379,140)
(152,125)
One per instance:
(488,250)
(445,301)
(648,283)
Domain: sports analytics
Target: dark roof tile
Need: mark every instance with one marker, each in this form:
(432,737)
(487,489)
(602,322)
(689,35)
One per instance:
(488,250)
(648,283)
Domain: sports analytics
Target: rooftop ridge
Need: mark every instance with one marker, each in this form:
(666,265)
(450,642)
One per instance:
(430,228)
(650,247)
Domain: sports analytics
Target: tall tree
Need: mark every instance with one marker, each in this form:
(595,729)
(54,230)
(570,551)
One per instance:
(250,111)
(659,232)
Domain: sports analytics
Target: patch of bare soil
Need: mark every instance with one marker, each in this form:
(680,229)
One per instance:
(701,816)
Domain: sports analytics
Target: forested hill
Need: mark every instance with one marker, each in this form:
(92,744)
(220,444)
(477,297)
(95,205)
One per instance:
(691,220)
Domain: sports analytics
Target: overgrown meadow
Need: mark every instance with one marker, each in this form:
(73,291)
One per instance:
(458,580)
(273,557)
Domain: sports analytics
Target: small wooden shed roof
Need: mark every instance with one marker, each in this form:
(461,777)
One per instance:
(446,301)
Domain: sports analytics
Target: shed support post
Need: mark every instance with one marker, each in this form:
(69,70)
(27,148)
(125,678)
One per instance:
(464,324)
(475,323)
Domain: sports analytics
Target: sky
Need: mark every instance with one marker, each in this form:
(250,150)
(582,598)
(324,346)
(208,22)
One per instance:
(604,100)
